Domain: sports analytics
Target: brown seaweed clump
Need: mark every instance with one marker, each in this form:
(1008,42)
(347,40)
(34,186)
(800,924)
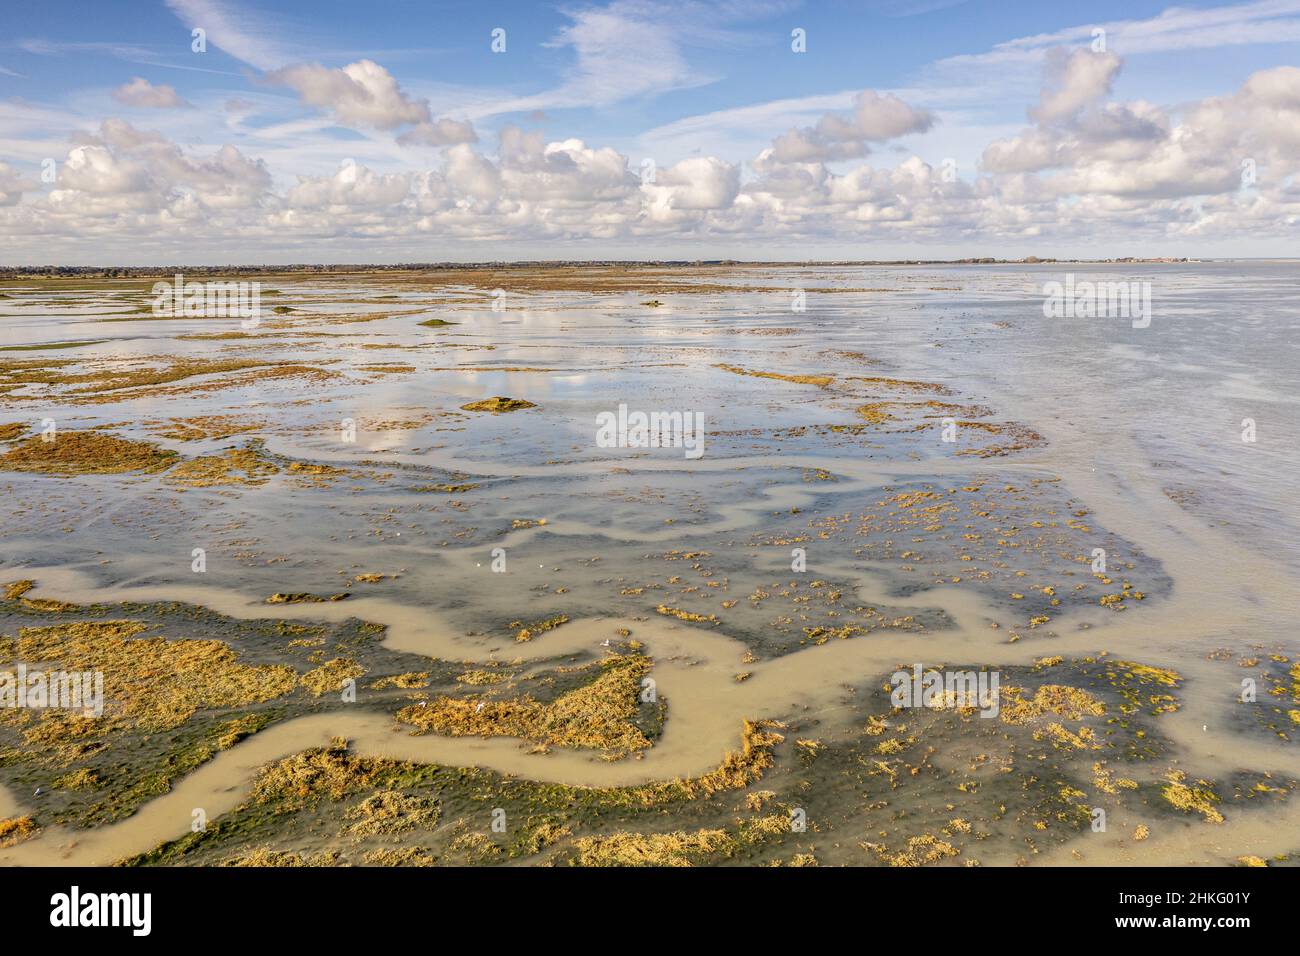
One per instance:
(875,413)
(528,632)
(596,716)
(682,615)
(651,849)
(1072,703)
(236,466)
(152,683)
(266,857)
(1192,799)
(819,380)
(304,597)
(331,675)
(16,589)
(402,856)
(921,850)
(17,829)
(85,453)
(390,811)
(207,427)
(330,771)
(738,770)
(498,403)
(409,681)
(480,677)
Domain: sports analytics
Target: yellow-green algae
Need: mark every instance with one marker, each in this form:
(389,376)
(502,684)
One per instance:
(85,453)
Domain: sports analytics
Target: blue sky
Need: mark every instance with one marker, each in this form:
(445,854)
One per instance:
(260,127)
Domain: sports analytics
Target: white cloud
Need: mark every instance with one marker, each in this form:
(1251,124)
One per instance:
(142,94)
(364,94)
(745,124)
(1087,167)
(97,170)
(1177,28)
(235,31)
(439,132)
(626,49)
(565,171)
(1076,79)
(12,185)
(351,186)
(123,176)
(874,119)
(1101,153)
(634,48)
(703,182)
(359,94)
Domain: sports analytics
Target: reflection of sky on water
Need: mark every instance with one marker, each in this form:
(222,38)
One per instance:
(1221,347)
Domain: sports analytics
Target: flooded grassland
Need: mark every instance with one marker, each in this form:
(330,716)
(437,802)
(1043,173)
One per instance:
(366,584)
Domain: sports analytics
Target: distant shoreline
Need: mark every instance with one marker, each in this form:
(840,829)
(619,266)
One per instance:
(18,272)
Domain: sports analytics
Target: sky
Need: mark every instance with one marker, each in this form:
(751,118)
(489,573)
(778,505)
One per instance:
(140,132)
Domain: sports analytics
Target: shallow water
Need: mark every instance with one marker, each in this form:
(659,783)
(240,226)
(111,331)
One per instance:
(1142,427)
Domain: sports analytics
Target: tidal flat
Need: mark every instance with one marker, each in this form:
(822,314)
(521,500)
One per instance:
(365,588)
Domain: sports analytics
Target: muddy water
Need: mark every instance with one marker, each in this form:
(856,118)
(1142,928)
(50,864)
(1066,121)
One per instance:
(695,671)
(1119,438)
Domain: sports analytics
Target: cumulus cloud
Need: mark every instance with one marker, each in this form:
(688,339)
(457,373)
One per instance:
(226,179)
(698,183)
(351,186)
(874,119)
(1204,154)
(99,171)
(364,94)
(1075,80)
(12,185)
(440,132)
(564,171)
(142,94)
(1106,156)
(359,94)
(122,173)
(1085,167)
